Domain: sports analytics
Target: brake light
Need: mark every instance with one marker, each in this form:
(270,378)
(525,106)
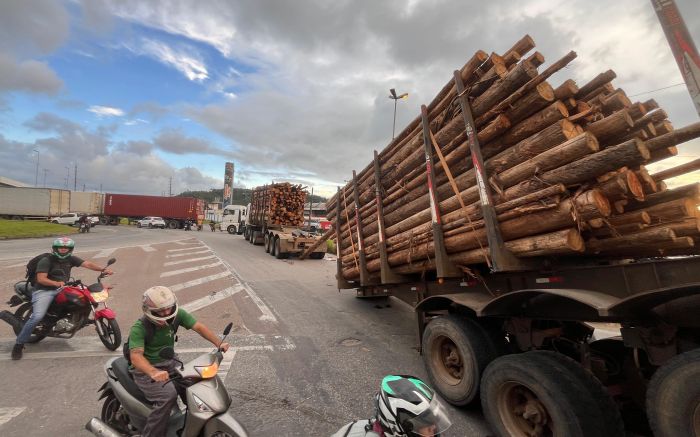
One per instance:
(207,372)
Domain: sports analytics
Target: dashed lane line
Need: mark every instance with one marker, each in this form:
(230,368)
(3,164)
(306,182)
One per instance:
(186,248)
(9,413)
(184,261)
(177,255)
(189,269)
(199,281)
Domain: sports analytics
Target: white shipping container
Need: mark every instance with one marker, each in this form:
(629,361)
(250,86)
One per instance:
(85,202)
(33,202)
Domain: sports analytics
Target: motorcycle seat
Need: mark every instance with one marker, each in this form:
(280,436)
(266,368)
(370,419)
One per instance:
(25,289)
(121,370)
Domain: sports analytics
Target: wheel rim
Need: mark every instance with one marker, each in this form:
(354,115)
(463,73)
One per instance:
(448,361)
(522,413)
(111,414)
(109,335)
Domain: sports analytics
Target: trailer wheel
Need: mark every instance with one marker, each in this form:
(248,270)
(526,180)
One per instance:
(317,255)
(104,220)
(173,224)
(267,243)
(538,394)
(114,221)
(231,229)
(273,247)
(278,250)
(455,352)
(673,396)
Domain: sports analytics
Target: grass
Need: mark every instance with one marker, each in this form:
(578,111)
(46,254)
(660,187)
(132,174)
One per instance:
(29,229)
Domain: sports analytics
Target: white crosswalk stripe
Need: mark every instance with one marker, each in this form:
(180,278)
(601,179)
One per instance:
(211,299)
(189,269)
(148,248)
(186,248)
(199,281)
(9,413)
(183,261)
(105,253)
(177,255)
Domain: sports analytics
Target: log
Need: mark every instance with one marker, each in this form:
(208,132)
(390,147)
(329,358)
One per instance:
(596,82)
(615,102)
(641,217)
(611,126)
(673,210)
(691,191)
(661,154)
(648,183)
(567,89)
(663,127)
(503,88)
(622,185)
(646,237)
(675,138)
(677,171)
(537,99)
(595,96)
(522,46)
(689,227)
(637,110)
(530,126)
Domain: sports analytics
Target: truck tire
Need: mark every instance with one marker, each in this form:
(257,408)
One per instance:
(231,229)
(267,243)
(173,224)
(278,250)
(673,396)
(114,221)
(251,236)
(539,392)
(317,255)
(104,220)
(456,351)
(273,247)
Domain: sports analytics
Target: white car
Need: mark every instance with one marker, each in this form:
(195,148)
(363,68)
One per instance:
(94,221)
(151,222)
(70,218)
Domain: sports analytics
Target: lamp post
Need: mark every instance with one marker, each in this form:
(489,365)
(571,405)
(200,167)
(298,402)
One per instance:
(36,178)
(394,97)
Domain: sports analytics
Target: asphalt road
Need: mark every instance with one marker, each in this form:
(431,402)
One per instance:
(306,358)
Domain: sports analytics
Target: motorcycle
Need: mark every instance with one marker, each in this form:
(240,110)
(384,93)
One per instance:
(125,408)
(84,227)
(74,307)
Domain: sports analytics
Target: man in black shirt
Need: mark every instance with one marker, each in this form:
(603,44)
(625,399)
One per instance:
(52,272)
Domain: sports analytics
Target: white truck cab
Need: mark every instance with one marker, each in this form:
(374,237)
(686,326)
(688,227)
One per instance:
(234,218)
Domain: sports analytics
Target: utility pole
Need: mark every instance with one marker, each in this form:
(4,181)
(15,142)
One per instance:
(170,187)
(67,176)
(682,46)
(395,98)
(36,178)
(83,187)
(75,177)
(100,187)
(46,170)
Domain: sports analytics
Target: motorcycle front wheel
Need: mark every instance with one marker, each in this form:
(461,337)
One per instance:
(111,335)
(23,313)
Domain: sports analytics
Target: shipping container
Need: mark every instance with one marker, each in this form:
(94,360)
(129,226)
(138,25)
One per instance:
(85,202)
(25,202)
(174,210)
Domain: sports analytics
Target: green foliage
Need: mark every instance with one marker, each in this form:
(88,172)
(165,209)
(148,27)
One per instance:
(330,246)
(28,229)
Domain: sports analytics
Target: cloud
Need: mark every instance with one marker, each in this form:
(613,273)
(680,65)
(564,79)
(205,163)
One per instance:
(140,148)
(153,109)
(32,27)
(31,76)
(183,59)
(72,140)
(106,111)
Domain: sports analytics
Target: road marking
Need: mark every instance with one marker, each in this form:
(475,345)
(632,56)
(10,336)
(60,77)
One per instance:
(186,248)
(185,242)
(267,314)
(189,269)
(148,248)
(183,261)
(187,254)
(7,414)
(105,253)
(199,281)
(15,265)
(225,364)
(211,299)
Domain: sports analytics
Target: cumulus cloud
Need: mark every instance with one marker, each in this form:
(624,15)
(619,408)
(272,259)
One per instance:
(106,111)
(31,76)
(32,27)
(175,141)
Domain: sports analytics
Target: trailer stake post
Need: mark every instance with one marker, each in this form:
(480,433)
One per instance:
(364,273)
(388,276)
(342,282)
(445,268)
(501,258)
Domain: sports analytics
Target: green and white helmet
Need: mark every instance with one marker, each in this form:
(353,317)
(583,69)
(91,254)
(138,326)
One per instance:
(62,242)
(406,406)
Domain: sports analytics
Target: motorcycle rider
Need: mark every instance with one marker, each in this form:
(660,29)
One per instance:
(150,371)
(52,272)
(83,220)
(404,407)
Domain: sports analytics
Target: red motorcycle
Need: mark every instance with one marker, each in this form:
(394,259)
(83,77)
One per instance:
(76,306)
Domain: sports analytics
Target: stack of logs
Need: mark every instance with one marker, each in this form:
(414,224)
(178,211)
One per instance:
(278,204)
(566,165)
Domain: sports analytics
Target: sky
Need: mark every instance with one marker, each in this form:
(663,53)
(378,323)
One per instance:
(149,96)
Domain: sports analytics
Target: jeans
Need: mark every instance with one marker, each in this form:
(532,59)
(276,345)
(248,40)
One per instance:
(41,301)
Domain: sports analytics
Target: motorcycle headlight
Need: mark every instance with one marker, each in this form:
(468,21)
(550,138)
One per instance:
(201,406)
(209,371)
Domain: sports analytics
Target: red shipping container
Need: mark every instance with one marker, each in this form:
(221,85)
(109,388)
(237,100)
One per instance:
(133,205)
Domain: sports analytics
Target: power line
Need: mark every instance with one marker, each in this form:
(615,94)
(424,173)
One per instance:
(658,89)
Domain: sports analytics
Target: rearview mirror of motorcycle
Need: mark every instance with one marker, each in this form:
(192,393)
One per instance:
(111,261)
(227,329)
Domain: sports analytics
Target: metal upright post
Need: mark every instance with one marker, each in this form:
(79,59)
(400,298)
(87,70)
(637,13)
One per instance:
(364,274)
(387,274)
(342,282)
(445,268)
(501,258)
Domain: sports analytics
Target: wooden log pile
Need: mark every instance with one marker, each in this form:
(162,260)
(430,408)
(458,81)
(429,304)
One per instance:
(278,204)
(566,165)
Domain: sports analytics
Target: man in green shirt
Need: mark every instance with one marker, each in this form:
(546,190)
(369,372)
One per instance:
(149,370)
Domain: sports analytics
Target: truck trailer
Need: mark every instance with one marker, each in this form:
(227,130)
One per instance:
(275,220)
(20,203)
(174,210)
(555,281)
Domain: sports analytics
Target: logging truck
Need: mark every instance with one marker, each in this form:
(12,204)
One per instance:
(555,280)
(275,220)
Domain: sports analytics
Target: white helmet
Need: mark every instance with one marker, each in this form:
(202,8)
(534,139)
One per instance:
(159,304)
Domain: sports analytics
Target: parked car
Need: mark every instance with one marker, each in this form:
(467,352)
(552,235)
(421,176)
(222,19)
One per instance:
(70,218)
(151,222)
(94,221)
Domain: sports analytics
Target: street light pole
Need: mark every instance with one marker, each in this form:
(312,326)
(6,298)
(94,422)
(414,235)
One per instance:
(45,171)
(394,97)
(36,178)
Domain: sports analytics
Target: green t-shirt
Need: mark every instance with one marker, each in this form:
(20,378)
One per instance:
(162,336)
